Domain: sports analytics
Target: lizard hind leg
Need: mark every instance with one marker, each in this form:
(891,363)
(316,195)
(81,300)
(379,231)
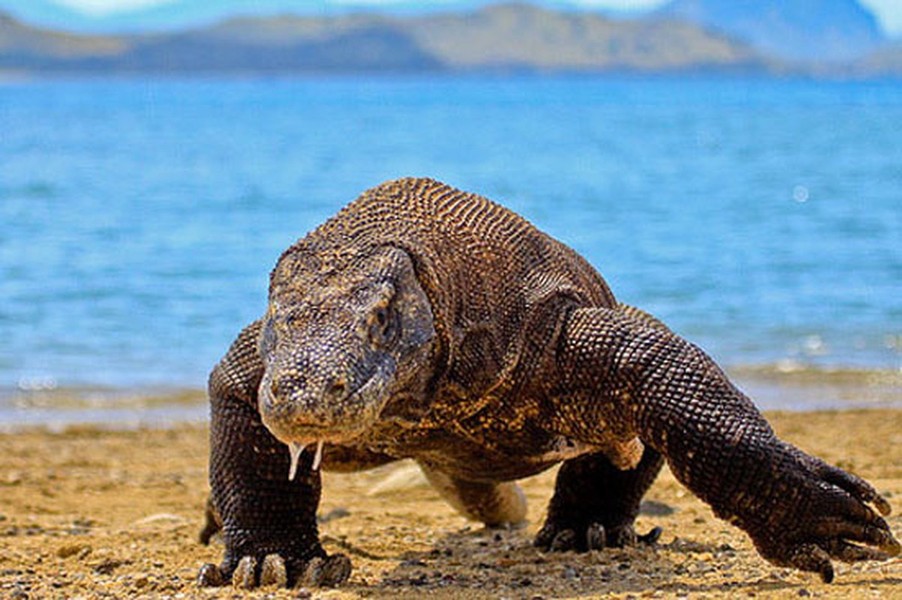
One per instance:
(495,504)
(595,504)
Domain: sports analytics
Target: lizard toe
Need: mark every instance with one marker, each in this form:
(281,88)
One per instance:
(244,577)
(273,571)
(596,537)
(620,536)
(210,575)
(564,541)
(336,571)
(846,552)
(651,538)
(811,557)
(330,571)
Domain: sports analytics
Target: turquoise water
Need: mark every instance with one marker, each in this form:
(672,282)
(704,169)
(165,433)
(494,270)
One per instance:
(139,219)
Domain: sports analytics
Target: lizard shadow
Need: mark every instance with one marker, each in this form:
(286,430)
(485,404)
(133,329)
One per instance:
(481,562)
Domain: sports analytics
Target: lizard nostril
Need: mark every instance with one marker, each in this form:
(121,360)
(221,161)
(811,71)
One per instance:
(284,387)
(338,388)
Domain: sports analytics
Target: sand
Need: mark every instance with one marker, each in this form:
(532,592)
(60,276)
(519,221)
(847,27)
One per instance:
(87,513)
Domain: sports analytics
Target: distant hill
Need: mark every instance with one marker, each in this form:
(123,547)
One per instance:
(886,62)
(528,37)
(172,15)
(167,16)
(799,30)
(31,47)
(510,37)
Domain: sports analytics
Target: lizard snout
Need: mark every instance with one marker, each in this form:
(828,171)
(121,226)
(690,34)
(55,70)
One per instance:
(298,390)
(314,393)
(304,410)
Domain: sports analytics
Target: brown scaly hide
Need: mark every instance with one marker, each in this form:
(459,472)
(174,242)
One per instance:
(528,361)
(490,276)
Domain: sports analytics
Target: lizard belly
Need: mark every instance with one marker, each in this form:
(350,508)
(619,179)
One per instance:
(477,462)
(486,439)
(481,455)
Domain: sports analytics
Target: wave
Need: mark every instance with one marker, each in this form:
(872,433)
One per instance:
(779,386)
(789,385)
(84,397)
(796,373)
(59,408)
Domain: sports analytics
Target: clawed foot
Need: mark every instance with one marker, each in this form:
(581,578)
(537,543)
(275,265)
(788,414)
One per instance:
(555,538)
(820,513)
(250,573)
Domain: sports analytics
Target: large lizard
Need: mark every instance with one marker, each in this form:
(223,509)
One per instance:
(428,323)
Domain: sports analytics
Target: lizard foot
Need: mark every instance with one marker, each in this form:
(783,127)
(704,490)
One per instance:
(594,536)
(250,573)
(815,513)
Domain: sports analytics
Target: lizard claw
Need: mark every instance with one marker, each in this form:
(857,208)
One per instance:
(624,536)
(651,538)
(210,575)
(563,541)
(596,537)
(273,571)
(811,557)
(326,572)
(244,576)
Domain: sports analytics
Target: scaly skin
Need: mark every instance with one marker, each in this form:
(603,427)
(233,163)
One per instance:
(429,323)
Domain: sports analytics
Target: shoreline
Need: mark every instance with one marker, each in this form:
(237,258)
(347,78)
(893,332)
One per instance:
(780,386)
(90,512)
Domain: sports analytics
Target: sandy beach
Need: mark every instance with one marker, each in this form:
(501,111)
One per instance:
(88,513)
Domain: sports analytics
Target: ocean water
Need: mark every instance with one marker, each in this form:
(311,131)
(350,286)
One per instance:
(139,219)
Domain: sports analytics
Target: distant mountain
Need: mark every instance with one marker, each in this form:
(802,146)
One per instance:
(886,62)
(528,37)
(22,46)
(185,14)
(177,14)
(510,37)
(799,30)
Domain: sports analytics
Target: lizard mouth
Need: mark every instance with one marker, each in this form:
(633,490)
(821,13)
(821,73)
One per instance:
(300,430)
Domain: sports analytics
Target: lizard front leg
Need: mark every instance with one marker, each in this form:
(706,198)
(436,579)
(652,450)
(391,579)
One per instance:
(646,381)
(268,521)
(595,504)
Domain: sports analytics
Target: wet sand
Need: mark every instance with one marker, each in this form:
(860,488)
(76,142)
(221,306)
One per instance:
(87,513)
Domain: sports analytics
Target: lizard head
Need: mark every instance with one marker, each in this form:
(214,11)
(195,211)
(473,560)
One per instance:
(338,341)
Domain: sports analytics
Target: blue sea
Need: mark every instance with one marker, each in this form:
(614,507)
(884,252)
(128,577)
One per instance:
(139,219)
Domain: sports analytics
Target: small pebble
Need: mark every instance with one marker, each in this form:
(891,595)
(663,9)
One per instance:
(107,566)
(68,550)
(413,562)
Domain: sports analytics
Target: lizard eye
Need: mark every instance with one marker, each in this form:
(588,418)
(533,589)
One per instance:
(382,326)
(267,337)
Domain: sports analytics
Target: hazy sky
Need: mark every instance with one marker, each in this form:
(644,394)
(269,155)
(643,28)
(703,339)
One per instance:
(889,11)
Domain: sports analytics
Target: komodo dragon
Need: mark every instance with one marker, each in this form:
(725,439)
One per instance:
(425,322)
